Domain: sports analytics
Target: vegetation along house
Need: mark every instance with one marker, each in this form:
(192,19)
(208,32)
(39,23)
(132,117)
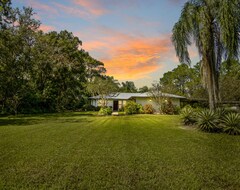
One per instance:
(118,100)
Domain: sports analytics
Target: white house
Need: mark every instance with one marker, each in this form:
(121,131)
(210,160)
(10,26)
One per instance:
(118,100)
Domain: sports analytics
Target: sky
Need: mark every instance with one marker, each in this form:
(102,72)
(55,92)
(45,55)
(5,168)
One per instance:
(131,37)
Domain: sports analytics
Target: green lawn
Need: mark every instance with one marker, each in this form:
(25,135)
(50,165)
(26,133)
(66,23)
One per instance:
(80,151)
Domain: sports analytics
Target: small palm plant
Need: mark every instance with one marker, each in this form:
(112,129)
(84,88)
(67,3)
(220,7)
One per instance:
(221,112)
(207,120)
(231,124)
(188,115)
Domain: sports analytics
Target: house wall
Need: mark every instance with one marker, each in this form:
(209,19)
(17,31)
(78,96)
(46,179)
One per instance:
(144,101)
(97,103)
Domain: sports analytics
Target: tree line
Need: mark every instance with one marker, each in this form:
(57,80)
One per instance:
(186,81)
(41,72)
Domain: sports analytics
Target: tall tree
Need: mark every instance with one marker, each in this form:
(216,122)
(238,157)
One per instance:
(103,87)
(94,68)
(156,95)
(16,40)
(184,81)
(143,89)
(230,81)
(59,71)
(128,86)
(214,26)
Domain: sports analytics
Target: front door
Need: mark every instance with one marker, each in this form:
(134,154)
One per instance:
(115,105)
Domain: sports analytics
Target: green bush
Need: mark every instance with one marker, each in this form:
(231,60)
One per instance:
(88,107)
(140,109)
(121,109)
(105,111)
(221,112)
(188,115)
(207,120)
(231,124)
(133,108)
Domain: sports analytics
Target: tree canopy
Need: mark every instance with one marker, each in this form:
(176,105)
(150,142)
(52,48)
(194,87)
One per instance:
(41,72)
(184,81)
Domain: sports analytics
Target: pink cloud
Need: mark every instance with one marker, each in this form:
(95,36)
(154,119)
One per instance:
(93,7)
(71,10)
(128,57)
(46,28)
(42,7)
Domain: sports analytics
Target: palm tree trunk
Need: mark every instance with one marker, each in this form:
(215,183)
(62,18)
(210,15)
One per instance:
(210,80)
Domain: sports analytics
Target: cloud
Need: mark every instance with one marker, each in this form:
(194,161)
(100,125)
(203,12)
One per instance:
(42,7)
(71,10)
(78,8)
(46,28)
(93,6)
(128,57)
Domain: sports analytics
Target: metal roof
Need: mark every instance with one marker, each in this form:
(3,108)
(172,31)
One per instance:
(127,96)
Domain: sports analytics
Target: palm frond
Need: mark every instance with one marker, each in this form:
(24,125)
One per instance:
(182,33)
(229,20)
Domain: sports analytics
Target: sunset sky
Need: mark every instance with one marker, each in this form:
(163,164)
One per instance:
(131,37)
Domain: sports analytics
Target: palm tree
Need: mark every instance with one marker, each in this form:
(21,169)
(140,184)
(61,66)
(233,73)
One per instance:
(214,26)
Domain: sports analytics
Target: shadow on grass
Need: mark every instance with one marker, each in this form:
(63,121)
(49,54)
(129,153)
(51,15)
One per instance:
(18,121)
(64,114)
(31,119)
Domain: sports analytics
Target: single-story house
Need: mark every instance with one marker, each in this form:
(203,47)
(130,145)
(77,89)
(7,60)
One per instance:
(118,100)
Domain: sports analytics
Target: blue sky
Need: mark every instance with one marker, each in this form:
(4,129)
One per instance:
(131,37)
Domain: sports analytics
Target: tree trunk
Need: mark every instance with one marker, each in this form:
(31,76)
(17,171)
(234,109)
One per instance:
(210,80)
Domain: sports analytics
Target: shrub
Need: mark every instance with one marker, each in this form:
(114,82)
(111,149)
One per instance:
(221,112)
(133,108)
(140,109)
(148,109)
(88,107)
(188,115)
(207,120)
(105,111)
(169,108)
(231,124)
(121,109)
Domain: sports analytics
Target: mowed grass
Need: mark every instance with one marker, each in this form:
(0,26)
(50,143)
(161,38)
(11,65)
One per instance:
(80,151)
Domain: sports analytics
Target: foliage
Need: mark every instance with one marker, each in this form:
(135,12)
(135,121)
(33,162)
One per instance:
(207,120)
(89,107)
(169,108)
(156,95)
(41,72)
(5,11)
(184,81)
(214,27)
(132,107)
(104,87)
(188,115)
(143,89)
(221,112)
(148,109)
(128,86)
(230,80)
(231,123)
(105,111)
